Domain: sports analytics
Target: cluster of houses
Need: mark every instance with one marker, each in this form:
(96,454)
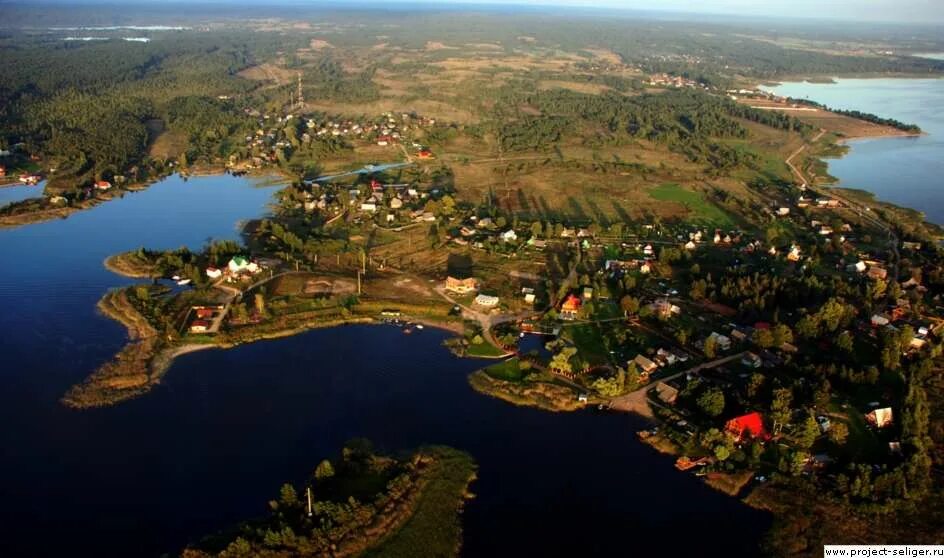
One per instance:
(237,268)
(204,318)
(666,80)
(647,366)
(387,129)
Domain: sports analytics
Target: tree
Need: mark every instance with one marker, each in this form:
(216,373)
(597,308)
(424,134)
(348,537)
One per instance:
(711,402)
(763,338)
(629,304)
(711,347)
(780,406)
(838,433)
(844,341)
(259,301)
(561,361)
(722,452)
(808,433)
(287,495)
(324,470)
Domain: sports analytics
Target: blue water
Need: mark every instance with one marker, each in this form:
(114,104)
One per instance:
(212,444)
(20,192)
(907,171)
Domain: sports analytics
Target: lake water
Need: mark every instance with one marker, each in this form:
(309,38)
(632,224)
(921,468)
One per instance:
(907,171)
(20,192)
(212,444)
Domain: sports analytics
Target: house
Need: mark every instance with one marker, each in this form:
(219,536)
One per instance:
(103,185)
(783,211)
(752,360)
(203,312)
(425,154)
(570,308)
(466,231)
(486,300)
(214,272)
(664,308)
(794,254)
(528,294)
(750,425)
(199,326)
(645,365)
(880,418)
(238,264)
(906,245)
(462,286)
(3,171)
(876,272)
(396,203)
(666,393)
(858,267)
(587,293)
(647,249)
(690,245)
(369,207)
(878,320)
(644,268)
(723,342)
(509,236)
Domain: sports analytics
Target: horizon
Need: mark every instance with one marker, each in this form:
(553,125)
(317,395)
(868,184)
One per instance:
(919,12)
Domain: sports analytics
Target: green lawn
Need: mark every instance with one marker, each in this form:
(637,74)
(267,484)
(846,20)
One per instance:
(483,349)
(507,370)
(702,209)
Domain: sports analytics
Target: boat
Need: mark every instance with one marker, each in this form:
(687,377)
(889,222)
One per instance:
(407,331)
(176,277)
(419,326)
(183,282)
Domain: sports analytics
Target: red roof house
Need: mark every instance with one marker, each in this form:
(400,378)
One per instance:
(570,307)
(750,425)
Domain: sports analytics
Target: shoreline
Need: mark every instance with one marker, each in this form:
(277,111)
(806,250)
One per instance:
(14,220)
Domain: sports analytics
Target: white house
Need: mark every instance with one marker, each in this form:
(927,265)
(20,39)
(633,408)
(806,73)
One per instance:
(509,235)
(214,272)
(238,264)
(369,207)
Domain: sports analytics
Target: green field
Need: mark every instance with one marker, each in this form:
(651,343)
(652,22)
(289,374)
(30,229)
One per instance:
(700,208)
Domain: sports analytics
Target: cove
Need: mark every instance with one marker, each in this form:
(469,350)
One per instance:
(905,171)
(212,444)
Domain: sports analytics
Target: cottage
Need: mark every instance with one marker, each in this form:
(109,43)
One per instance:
(509,236)
(238,264)
(587,293)
(783,211)
(752,360)
(879,320)
(214,272)
(858,267)
(486,300)
(690,245)
(645,365)
(370,207)
(645,268)
(794,254)
(199,326)
(462,286)
(722,341)
(647,249)
(880,418)
(876,272)
(666,393)
(396,203)
(570,308)
(665,309)
(103,185)
(750,425)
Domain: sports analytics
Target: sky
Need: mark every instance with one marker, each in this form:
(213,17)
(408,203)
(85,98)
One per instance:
(912,11)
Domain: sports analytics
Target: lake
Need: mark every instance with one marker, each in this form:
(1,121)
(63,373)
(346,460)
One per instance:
(20,192)
(906,171)
(212,444)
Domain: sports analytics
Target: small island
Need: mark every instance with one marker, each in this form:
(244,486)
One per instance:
(360,504)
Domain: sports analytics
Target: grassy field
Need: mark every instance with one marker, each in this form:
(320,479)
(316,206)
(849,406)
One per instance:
(700,209)
(507,370)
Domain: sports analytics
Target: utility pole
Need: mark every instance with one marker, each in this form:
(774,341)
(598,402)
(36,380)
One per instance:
(300,97)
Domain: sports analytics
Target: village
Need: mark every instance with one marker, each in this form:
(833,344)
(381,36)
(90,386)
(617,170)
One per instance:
(678,322)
